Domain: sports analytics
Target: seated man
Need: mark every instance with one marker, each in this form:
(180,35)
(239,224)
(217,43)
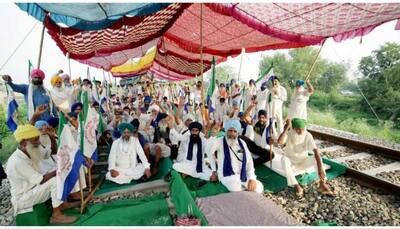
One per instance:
(28,186)
(299,142)
(191,153)
(123,166)
(235,166)
(48,147)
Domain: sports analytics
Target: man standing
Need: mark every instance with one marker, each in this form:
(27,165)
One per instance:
(34,94)
(191,153)
(276,97)
(298,102)
(123,166)
(235,165)
(299,142)
(28,186)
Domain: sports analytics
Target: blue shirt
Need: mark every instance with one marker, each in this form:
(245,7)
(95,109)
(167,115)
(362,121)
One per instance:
(39,97)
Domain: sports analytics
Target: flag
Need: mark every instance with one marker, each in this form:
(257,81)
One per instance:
(265,76)
(30,67)
(69,162)
(211,89)
(61,122)
(89,136)
(12,109)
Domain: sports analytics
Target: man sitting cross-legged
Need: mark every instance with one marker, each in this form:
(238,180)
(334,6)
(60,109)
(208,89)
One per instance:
(299,142)
(235,165)
(28,186)
(123,165)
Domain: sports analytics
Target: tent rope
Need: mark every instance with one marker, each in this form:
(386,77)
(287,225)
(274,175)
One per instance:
(19,45)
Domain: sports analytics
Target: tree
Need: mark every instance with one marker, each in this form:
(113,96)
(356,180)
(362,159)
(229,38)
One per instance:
(223,73)
(380,81)
(333,77)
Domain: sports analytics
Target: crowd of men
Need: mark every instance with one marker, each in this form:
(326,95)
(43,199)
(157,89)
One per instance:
(222,141)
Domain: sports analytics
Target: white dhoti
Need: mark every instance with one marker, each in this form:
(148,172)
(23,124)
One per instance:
(234,184)
(39,194)
(289,167)
(127,175)
(189,168)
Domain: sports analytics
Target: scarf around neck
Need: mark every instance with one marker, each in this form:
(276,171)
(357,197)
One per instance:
(199,156)
(227,167)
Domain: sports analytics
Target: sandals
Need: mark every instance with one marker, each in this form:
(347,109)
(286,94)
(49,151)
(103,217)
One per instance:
(327,192)
(300,194)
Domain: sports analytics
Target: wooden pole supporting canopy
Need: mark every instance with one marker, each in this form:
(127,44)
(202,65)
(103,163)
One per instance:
(41,47)
(315,61)
(201,64)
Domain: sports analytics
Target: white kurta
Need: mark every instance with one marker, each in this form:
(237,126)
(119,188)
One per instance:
(249,132)
(262,98)
(296,154)
(188,167)
(275,108)
(233,182)
(26,190)
(62,98)
(123,158)
(250,92)
(48,162)
(298,105)
(220,112)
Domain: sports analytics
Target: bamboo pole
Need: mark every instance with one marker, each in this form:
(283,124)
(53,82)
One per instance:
(240,66)
(315,61)
(41,47)
(69,65)
(81,190)
(201,63)
(90,196)
(90,179)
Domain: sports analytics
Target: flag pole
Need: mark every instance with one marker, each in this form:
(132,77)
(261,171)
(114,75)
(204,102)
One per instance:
(41,47)
(315,61)
(81,190)
(69,65)
(201,62)
(240,66)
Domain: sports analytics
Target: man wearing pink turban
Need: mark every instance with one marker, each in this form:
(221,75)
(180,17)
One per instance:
(35,94)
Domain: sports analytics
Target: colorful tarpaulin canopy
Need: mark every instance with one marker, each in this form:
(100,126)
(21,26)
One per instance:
(135,66)
(227,29)
(89,16)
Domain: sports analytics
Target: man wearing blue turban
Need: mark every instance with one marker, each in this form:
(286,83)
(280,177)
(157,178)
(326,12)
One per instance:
(299,99)
(235,164)
(191,153)
(298,144)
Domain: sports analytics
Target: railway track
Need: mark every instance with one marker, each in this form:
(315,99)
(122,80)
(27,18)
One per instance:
(371,165)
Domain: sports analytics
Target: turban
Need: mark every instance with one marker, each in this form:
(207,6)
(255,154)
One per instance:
(298,123)
(73,114)
(299,82)
(135,123)
(240,114)
(262,112)
(53,121)
(188,116)
(162,116)
(39,124)
(274,78)
(147,99)
(232,123)
(65,76)
(24,132)
(252,81)
(154,107)
(196,125)
(95,103)
(54,80)
(124,126)
(37,73)
(76,105)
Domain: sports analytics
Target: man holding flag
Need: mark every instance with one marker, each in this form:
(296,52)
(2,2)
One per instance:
(28,186)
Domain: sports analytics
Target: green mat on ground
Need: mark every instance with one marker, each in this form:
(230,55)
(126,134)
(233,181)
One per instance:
(147,211)
(109,186)
(183,201)
(197,187)
(273,182)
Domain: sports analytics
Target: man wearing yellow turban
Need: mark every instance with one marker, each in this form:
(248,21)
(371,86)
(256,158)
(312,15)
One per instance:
(298,143)
(28,186)
(61,96)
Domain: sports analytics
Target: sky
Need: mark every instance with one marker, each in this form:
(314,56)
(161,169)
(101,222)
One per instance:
(15,24)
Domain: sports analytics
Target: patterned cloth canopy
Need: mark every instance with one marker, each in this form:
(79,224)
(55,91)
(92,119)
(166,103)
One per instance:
(227,29)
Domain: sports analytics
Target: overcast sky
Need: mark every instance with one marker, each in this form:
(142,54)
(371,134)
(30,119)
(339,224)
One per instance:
(15,24)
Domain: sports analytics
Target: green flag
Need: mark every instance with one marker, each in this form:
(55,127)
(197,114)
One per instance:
(263,74)
(62,121)
(30,67)
(211,87)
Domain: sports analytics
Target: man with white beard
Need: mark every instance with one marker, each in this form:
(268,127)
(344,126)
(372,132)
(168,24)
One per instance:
(298,102)
(192,151)
(123,164)
(48,147)
(235,165)
(61,97)
(299,142)
(276,97)
(28,186)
